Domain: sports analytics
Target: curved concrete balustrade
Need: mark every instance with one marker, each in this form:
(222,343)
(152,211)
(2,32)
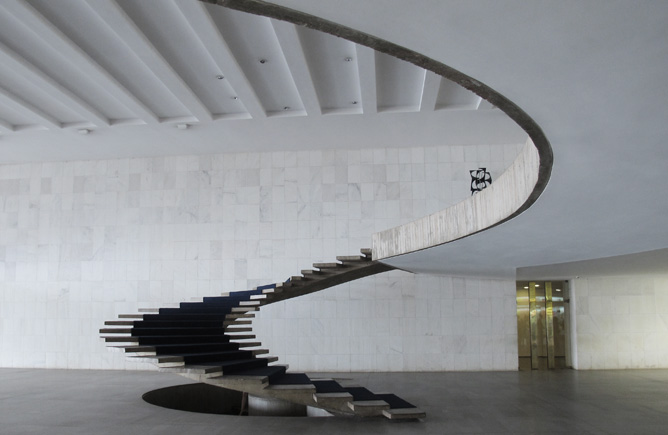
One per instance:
(506,197)
(514,192)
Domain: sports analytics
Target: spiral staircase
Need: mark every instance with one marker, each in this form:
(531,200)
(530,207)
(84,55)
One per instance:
(211,341)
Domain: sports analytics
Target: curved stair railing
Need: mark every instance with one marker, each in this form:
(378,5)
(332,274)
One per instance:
(211,341)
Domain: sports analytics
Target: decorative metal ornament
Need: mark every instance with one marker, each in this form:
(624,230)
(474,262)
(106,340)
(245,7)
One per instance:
(480,179)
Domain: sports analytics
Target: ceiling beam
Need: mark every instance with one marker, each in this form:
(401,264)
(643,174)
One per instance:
(36,115)
(430,87)
(288,38)
(203,26)
(128,32)
(484,105)
(49,87)
(366,64)
(60,43)
(6,127)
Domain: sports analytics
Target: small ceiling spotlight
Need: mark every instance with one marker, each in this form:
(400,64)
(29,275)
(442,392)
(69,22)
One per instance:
(235,98)
(353,102)
(83,131)
(286,108)
(348,59)
(220,77)
(263,60)
(183,126)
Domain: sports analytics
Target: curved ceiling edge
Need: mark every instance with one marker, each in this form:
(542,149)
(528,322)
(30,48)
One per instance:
(514,112)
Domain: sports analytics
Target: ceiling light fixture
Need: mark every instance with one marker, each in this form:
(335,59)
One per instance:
(348,59)
(183,126)
(263,60)
(286,108)
(219,77)
(83,131)
(353,102)
(235,98)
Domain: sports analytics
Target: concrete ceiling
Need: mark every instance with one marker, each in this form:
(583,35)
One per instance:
(592,75)
(85,79)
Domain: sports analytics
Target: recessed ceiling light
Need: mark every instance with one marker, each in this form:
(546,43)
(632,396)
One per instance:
(526,287)
(220,77)
(235,98)
(348,59)
(83,131)
(182,126)
(263,60)
(286,108)
(353,102)
(557,290)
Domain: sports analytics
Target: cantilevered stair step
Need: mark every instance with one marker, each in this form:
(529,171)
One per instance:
(119,322)
(120,339)
(234,329)
(186,316)
(131,316)
(291,379)
(187,323)
(399,408)
(181,339)
(365,403)
(323,267)
(230,367)
(115,330)
(178,349)
(208,357)
(262,374)
(175,331)
(351,258)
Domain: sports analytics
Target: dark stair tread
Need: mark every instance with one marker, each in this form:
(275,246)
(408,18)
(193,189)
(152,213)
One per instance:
(148,340)
(395,402)
(361,394)
(250,362)
(174,349)
(184,317)
(272,372)
(328,387)
(215,353)
(291,379)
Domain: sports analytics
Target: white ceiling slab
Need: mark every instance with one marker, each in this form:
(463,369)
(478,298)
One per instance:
(129,71)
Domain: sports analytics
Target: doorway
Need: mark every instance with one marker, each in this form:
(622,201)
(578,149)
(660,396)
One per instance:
(541,324)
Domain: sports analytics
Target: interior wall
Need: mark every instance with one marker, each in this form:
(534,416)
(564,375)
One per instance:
(397,321)
(621,321)
(81,242)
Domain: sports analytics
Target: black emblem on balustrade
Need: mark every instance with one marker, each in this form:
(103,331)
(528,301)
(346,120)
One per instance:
(480,179)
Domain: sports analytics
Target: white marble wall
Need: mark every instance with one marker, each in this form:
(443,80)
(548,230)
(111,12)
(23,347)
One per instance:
(81,242)
(621,322)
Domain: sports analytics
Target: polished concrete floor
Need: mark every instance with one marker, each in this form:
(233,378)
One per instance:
(588,402)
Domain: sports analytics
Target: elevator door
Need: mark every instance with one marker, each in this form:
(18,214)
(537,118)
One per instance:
(541,337)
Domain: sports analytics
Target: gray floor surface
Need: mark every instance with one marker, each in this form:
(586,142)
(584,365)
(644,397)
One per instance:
(575,402)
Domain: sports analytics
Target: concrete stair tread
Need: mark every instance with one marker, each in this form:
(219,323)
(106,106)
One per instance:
(404,413)
(351,258)
(321,266)
(115,330)
(307,388)
(120,339)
